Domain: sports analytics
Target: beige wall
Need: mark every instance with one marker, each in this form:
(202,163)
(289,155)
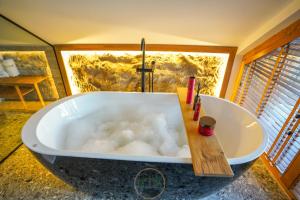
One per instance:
(280,22)
(234,72)
(192,22)
(10,34)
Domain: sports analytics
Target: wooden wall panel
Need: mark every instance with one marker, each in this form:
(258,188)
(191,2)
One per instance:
(281,38)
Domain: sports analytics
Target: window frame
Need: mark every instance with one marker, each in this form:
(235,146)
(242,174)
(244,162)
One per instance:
(285,36)
(150,47)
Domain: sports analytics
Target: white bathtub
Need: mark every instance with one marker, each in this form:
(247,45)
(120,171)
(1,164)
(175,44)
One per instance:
(239,132)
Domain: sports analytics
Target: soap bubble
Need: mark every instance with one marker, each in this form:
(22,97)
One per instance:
(104,146)
(184,152)
(142,132)
(137,147)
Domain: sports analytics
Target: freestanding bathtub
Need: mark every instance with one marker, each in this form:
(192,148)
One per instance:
(120,176)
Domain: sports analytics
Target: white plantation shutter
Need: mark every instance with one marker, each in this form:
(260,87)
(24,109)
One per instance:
(279,105)
(289,152)
(287,146)
(288,87)
(271,91)
(258,76)
(253,91)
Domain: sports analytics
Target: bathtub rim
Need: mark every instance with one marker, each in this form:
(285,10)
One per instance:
(31,140)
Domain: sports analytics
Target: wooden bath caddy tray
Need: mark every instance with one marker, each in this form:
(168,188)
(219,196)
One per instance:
(207,153)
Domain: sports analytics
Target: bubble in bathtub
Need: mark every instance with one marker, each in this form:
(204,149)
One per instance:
(101,146)
(147,135)
(78,131)
(103,130)
(144,133)
(159,124)
(184,152)
(137,148)
(122,137)
(168,147)
(175,135)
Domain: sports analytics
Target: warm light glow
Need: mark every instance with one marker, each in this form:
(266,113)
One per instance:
(251,124)
(22,52)
(75,90)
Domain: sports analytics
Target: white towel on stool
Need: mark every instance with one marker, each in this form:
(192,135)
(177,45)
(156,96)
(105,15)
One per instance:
(10,67)
(3,73)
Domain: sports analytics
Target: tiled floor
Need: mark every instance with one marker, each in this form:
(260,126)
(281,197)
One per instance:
(33,106)
(11,124)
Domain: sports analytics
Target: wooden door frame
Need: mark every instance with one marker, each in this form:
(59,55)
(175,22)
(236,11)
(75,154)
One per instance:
(150,47)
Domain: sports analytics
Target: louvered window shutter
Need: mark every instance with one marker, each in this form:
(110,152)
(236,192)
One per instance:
(285,100)
(270,89)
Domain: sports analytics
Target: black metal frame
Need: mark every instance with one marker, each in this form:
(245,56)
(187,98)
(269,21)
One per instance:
(38,37)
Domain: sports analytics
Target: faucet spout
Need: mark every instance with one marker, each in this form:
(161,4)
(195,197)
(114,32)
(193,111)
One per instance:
(143,49)
(143,70)
(143,44)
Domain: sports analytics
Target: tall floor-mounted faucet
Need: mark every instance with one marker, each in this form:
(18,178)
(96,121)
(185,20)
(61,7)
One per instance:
(143,49)
(144,70)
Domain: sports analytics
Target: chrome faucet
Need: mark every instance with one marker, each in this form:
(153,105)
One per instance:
(144,70)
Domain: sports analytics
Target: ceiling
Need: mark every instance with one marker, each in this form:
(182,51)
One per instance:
(205,22)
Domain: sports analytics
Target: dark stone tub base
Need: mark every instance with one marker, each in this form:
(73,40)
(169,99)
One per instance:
(115,178)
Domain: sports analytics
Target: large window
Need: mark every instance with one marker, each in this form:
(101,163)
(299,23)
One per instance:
(269,87)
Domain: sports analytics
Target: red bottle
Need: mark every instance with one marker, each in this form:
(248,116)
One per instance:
(190,92)
(197,109)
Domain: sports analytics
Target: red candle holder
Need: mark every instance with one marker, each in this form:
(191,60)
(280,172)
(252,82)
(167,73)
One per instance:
(206,126)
